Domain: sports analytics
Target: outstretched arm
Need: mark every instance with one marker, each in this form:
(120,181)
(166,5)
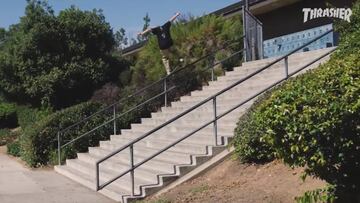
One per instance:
(174,17)
(145,31)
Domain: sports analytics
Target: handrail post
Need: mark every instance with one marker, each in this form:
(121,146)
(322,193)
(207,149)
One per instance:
(286,67)
(212,59)
(97,178)
(215,121)
(245,36)
(132,169)
(114,114)
(59,148)
(165,91)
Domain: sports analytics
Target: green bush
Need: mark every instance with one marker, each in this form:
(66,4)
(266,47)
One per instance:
(57,60)
(249,146)
(313,121)
(7,115)
(325,195)
(193,38)
(14,148)
(27,115)
(4,136)
(39,141)
(10,139)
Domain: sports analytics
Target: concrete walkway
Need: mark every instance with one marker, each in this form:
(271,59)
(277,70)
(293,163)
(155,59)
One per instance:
(20,184)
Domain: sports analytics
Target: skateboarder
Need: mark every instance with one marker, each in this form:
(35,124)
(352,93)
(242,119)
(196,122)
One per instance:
(164,39)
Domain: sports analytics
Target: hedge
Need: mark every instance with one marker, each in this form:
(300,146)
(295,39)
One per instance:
(4,136)
(28,115)
(13,148)
(313,121)
(7,115)
(249,146)
(39,141)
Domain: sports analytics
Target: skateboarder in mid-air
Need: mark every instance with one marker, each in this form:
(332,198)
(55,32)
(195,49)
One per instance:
(164,39)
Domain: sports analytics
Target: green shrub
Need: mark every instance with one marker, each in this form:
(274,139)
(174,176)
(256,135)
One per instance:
(4,136)
(13,148)
(324,195)
(7,115)
(249,146)
(313,122)
(27,115)
(10,139)
(193,38)
(39,141)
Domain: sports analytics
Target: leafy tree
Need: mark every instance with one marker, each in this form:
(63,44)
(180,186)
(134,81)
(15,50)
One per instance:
(133,41)
(2,34)
(146,26)
(57,60)
(192,38)
(121,39)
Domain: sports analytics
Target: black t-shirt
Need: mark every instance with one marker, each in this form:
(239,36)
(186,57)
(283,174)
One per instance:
(163,35)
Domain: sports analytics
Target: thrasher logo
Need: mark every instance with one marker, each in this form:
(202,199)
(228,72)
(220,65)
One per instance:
(312,13)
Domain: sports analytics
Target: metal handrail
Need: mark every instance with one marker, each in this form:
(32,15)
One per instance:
(113,106)
(150,85)
(130,145)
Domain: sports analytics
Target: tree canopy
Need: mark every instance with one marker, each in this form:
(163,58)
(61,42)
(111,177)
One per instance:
(57,60)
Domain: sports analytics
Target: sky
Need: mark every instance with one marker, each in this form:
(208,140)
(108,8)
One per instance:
(127,14)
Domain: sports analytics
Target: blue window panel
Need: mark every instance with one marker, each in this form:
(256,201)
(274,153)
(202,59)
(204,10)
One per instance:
(284,44)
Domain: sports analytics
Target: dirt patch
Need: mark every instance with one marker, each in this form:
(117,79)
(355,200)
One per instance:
(3,149)
(232,182)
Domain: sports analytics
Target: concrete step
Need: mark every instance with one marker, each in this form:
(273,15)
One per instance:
(160,120)
(196,138)
(169,129)
(278,68)
(116,165)
(203,115)
(206,132)
(193,141)
(179,125)
(167,158)
(183,157)
(239,92)
(299,55)
(193,123)
(154,167)
(111,191)
(187,104)
(228,79)
(107,174)
(159,144)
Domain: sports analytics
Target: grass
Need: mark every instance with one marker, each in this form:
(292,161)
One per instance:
(161,200)
(199,189)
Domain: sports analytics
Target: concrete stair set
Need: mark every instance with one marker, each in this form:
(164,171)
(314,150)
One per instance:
(190,153)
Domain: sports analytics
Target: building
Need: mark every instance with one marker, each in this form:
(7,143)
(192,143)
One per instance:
(283,24)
